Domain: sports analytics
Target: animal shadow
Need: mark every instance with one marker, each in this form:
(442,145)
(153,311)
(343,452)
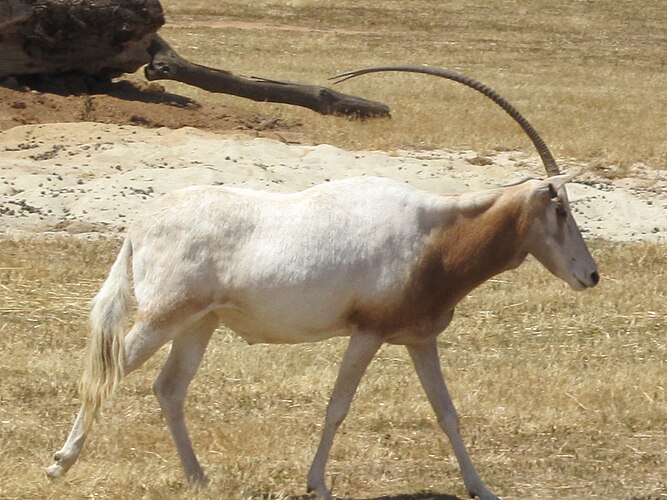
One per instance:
(74,83)
(423,495)
(426,495)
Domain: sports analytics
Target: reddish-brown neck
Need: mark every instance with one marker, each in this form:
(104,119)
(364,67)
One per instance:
(482,240)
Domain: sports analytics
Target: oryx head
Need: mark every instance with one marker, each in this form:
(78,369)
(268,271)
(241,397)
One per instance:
(554,238)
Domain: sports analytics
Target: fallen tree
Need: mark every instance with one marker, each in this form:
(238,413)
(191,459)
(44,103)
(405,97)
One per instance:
(79,40)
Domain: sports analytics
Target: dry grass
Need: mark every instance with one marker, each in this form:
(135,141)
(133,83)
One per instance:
(561,395)
(591,76)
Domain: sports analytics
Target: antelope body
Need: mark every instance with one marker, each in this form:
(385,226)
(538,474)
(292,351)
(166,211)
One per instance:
(367,258)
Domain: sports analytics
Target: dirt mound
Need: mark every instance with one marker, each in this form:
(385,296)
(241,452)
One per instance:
(94,178)
(60,175)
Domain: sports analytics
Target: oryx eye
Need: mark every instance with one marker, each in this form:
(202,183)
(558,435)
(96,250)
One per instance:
(552,192)
(560,210)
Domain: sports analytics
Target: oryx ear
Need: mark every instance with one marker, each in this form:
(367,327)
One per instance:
(554,184)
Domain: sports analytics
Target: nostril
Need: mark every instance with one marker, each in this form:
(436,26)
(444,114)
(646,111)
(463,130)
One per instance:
(595,277)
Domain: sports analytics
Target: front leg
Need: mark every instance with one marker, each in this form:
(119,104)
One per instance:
(360,352)
(427,364)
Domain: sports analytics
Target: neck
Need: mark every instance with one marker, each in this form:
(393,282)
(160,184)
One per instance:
(483,240)
(469,243)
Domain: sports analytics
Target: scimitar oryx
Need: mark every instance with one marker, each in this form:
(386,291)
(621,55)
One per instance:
(368,258)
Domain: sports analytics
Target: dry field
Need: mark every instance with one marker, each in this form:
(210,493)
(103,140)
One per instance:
(561,395)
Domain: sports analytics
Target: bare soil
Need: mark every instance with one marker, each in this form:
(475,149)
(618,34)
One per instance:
(124,103)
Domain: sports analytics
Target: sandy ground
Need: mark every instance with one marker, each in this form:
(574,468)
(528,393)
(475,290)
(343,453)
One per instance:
(91,178)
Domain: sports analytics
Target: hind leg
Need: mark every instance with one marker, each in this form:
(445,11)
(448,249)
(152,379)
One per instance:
(171,388)
(141,343)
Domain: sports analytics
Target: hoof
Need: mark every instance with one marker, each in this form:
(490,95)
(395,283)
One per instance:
(53,471)
(60,465)
(483,495)
(198,479)
(321,492)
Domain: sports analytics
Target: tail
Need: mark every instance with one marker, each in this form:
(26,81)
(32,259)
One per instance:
(105,354)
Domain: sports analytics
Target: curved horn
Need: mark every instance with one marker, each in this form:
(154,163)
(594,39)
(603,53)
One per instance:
(542,149)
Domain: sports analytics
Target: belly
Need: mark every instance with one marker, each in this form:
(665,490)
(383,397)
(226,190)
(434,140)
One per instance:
(258,326)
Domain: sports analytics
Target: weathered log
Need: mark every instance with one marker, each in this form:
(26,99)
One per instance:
(105,38)
(166,64)
(102,39)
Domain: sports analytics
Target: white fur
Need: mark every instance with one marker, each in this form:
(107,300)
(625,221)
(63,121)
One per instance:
(282,267)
